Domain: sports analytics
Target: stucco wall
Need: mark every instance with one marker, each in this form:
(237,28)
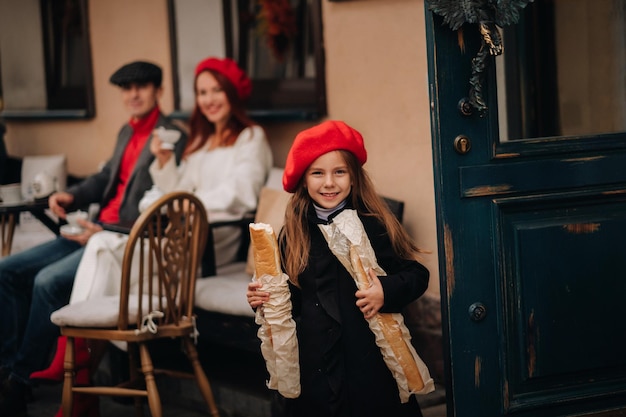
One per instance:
(376,81)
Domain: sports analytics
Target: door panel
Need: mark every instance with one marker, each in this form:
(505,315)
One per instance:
(532,238)
(561,299)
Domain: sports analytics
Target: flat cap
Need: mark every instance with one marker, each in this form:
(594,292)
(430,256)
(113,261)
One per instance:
(137,72)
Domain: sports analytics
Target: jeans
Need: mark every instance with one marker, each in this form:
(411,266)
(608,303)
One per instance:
(33,284)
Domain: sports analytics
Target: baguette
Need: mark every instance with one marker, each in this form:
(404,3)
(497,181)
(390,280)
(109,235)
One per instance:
(265,250)
(277,329)
(266,256)
(391,331)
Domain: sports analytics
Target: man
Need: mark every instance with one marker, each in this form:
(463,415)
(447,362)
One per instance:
(36,282)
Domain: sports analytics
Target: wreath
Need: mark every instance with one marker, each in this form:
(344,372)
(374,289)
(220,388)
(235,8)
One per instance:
(489,15)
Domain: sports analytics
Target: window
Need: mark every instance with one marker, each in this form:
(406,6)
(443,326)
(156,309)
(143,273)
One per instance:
(563,73)
(277,42)
(45,59)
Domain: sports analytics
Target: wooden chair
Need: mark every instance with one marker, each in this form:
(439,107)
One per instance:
(162,254)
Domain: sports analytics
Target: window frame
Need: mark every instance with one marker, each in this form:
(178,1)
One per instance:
(50,87)
(314,88)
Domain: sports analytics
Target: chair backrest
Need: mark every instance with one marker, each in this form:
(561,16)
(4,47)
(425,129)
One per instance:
(161,260)
(396,207)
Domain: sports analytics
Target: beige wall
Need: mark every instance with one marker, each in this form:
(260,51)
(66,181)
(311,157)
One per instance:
(376,81)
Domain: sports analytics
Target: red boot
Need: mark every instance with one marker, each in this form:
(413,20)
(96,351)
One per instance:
(54,373)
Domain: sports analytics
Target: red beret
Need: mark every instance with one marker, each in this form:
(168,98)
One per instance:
(310,144)
(228,68)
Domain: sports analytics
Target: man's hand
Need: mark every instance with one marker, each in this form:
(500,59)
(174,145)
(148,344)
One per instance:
(89,229)
(59,201)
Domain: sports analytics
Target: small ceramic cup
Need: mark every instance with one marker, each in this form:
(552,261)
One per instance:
(73,217)
(168,137)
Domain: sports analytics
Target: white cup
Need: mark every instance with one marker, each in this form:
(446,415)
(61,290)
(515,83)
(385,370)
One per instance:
(168,137)
(11,193)
(73,217)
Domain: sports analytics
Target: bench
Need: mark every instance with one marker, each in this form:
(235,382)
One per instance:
(224,316)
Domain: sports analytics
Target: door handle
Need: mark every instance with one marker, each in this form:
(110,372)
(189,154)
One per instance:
(465,107)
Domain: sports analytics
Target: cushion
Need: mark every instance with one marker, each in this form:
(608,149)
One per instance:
(270,210)
(101,312)
(226,292)
(54,166)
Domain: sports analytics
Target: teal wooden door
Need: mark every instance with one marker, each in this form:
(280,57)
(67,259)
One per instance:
(532,213)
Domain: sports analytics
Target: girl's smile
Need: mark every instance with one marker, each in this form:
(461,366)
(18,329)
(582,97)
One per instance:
(328,180)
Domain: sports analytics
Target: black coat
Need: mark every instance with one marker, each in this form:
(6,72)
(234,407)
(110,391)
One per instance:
(342,371)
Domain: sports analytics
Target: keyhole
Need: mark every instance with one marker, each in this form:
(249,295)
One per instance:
(462,144)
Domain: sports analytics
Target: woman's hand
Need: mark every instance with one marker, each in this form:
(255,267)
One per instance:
(372,299)
(89,229)
(256,298)
(161,155)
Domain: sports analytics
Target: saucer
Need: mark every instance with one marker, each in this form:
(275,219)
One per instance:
(69,230)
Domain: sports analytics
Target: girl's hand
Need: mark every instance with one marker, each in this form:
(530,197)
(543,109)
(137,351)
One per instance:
(161,155)
(372,299)
(256,298)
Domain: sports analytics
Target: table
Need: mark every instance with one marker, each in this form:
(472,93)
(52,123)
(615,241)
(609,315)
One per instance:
(8,219)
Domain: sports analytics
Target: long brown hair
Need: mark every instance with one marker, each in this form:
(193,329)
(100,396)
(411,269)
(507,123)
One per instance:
(200,128)
(296,234)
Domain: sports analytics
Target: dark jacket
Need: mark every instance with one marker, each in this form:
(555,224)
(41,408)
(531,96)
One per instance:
(342,369)
(100,187)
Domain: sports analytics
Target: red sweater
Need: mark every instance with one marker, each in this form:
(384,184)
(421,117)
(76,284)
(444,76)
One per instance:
(142,129)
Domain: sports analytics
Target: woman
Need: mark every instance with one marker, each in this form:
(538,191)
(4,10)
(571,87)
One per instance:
(227,158)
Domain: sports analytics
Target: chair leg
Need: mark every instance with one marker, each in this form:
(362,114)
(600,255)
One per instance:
(68,378)
(154,401)
(201,378)
(133,366)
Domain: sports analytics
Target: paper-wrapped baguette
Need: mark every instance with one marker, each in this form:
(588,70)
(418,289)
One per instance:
(391,331)
(266,256)
(277,330)
(349,242)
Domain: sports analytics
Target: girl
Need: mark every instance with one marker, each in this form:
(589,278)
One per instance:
(342,371)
